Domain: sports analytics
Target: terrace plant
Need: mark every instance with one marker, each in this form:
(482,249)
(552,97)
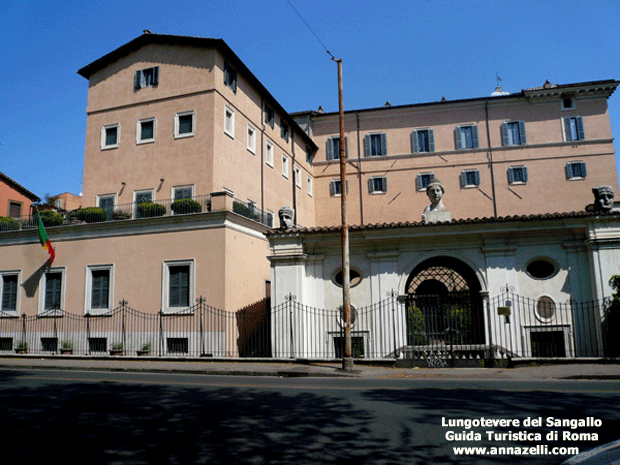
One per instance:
(151,209)
(183,206)
(8,224)
(49,218)
(91,214)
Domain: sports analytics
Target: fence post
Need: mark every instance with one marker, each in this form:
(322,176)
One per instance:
(161,332)
(201,302)
(393,294)
(123,335)
(290,298)
(24,331)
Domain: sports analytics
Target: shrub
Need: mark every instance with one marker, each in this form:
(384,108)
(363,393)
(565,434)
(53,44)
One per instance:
(415,323)
(8,224)
(49,218)
(120,215)
(182,206)
(151,209)
(91,214)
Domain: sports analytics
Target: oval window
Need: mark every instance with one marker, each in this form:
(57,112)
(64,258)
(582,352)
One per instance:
(352,315)
(545,308)
(354,278)
(541,269)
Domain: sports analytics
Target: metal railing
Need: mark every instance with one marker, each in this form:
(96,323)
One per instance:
(133,210)
(427,331)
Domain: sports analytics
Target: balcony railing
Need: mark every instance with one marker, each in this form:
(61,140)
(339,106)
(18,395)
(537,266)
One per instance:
(133,210)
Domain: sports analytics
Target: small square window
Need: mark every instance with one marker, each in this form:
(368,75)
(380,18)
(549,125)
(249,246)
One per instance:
(269,116)
(49,344)
(145,131)
(377,185)
(146,77)
(335,187)
(270,154)
(576,170)
(230,77)
(470,178)
(229,122)
(284,130)
(97,344)
(184,124)
(423,180)
(110,135)
(517,175)
(251,139)
(568,103)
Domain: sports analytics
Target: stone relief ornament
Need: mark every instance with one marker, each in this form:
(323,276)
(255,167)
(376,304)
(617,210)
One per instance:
(286,215)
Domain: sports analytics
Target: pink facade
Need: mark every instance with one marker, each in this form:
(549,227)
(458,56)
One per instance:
(15,200)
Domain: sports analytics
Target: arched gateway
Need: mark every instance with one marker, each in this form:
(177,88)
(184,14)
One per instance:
(444,307)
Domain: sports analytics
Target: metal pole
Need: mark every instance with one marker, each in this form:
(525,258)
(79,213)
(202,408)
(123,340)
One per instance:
(347,362)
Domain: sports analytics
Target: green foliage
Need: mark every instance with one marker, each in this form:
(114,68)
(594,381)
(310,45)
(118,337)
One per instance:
(21,345)
(461,325)
(415,322)
(151,209)
(186,206)
(49,218)
(120,215)
(146,347)
(91,214)
(117,346)
(614,282)
(8,224)
(66,344)
(243,210)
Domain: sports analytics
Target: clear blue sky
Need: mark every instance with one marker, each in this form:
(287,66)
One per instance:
(402,51)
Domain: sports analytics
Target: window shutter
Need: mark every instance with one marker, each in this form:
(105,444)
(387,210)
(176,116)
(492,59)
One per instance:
(474,136)
(463,178)
(567,130)
(156,75)
(418,182)
(371,185)
(458,139)
(136,81)
(414,142)
(505,139)
(524,169)
(580,132)
(522,132)
(332,188)
(511,175)
(367,145)
(383,144)
(584,172)
(384,182)
(346,147)
(431,141)
(569,170)
(477,177)
(330,148)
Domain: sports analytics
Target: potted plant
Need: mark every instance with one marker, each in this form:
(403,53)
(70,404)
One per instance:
(66,347)
(21,347)
(183,206)
(117,349)
(144,350)
(91,214)
(151,209)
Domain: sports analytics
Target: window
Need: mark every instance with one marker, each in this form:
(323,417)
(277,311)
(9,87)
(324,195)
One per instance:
(269,116)
(229,122)
(541,269)
(309,156)
(146,77)
(145,131)
(309,186)
(251,139)
(183,192)
(10,291)
(517,175)
(51,295)
(230,77)
(284,130)
(576,170)
(141,197)
(298,176)
(178,283)
(110,135)
(99,281)
(15,209)
(184,124)
(466,137)
(335,187)
(422,140)
(270,154)
(333,148)
(573,129)
(285,168)
(377,185)
(423,180)
(106,203)
(470,178)
(375,145)
(568,103)
(545,308)
(513,133)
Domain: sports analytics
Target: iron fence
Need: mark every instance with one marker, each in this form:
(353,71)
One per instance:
(428,330)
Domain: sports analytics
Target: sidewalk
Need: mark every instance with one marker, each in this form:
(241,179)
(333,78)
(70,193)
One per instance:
(278,368)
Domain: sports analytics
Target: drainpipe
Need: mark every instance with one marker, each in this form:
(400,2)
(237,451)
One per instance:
(486,109)
(262,156)
(359,168)
(293,177)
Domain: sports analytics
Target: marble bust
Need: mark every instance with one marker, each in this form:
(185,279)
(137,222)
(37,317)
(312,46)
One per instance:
(603,198)
(286,215)
(435,211)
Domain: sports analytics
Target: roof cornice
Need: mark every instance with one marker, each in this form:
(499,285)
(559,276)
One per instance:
(15,185)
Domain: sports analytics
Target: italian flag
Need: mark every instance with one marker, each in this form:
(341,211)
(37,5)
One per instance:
(45,242)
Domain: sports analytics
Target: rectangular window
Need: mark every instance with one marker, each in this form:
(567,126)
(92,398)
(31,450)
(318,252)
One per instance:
(269,116)
(576,170)
(230,77)
(513,133)
(285,166)
(51,294)
(466,137)
(110,135)
(335,187)
(106,203)
(141,197)
(229,122)
(146,77)
(97,344)
(573,129)
(270,154)
(145,131)
(99,281)
(178,291)
(10,292)
(309,156)
(177,345)
(309,186)
(49,344)
(333,148)
(298,176)
(568,103)
(377,185)
(375,145)
(284,130)
(251,139)
(423,180)
(183,192)
(470,178)
(184,124)
(517,175)
(422,140)
(15,209)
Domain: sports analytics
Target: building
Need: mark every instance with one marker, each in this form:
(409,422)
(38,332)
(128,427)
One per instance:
(15,199)
(189,157)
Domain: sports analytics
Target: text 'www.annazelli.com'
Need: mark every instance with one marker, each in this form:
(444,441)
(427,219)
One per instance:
(541,449)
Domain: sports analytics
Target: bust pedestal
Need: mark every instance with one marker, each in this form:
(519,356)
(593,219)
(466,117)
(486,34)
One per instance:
(436,216)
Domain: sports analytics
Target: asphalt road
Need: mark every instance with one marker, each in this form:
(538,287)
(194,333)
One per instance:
(95,417)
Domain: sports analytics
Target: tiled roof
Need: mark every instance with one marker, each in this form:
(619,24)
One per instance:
(420,224)
(18,187)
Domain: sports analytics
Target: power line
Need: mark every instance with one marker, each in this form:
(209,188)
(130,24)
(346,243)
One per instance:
(310,29)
